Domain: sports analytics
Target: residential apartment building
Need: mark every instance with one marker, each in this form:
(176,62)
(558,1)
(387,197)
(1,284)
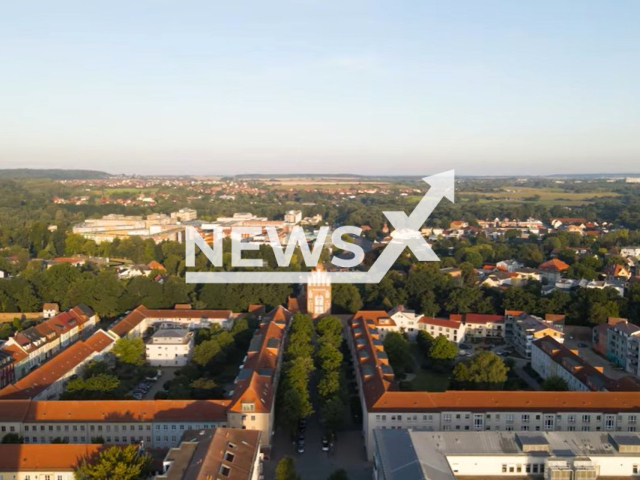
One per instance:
(620,346)
(399,319)
(481,326)
(219,453)
(293,217)
(452,330)
(252,404)
(630,252)
(524,329)
(386,407)
(551,358)
(403,454)
(48,380)
(154,423)
(136,323)
(406,320)
(185,215)
(552,270)
(35,345)
(633,355)
(170,347)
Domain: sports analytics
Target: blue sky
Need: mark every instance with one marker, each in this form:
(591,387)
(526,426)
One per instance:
(370,87)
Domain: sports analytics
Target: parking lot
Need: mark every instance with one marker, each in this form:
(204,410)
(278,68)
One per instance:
(157,386)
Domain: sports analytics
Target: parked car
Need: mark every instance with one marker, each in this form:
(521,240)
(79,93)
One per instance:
(138,396)
(465,346)
(325,444)
(300,446)
(583,345)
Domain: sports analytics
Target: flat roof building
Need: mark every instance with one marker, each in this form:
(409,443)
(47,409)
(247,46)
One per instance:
(411,454)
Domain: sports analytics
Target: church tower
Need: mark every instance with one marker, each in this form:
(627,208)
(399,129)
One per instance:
(319,294)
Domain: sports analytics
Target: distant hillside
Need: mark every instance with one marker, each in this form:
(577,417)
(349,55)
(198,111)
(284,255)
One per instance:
(53,174)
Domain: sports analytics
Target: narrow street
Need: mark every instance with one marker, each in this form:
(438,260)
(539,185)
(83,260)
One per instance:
(314,464)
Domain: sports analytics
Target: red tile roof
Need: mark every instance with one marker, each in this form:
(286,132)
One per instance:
(482,318)
(440,322)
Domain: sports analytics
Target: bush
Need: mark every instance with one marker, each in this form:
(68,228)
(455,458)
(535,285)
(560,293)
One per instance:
(405,386)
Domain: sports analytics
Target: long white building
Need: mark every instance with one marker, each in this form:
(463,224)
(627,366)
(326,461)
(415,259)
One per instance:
(409,454)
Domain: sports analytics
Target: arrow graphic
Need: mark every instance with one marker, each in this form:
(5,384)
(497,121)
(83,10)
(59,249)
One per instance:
(407,234)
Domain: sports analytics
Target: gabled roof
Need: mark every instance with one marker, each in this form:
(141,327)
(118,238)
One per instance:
(255,382)
(582,370)
(483,401)
(154,265)
(115,411)
(439,322)
(554,265)
(481,318)
(50,372)
(226,452)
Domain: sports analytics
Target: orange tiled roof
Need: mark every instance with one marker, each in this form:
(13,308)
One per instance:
(554,264)
(124,410)
(45,457)
(154,265)
(13,410)
(255,381)
(508,401)
(50,372)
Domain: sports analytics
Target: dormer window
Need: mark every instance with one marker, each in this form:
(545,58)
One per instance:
(248,407)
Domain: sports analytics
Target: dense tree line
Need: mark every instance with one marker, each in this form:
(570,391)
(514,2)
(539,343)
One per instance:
(293,400)
(331,381)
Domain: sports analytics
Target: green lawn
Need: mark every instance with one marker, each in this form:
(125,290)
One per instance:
(430,381)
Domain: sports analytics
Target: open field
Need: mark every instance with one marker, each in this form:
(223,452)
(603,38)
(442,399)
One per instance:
(551,196)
